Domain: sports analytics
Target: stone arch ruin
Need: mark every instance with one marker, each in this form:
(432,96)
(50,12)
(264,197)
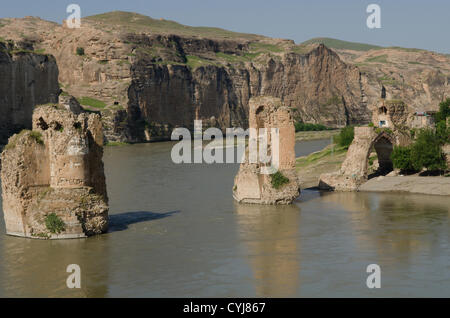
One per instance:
(354,169)
(383,145)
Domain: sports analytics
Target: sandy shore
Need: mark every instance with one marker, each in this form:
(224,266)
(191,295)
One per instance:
(411,184)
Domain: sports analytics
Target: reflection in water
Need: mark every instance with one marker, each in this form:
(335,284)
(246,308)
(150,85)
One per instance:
(271,237)
(409,234)
(36,268)
(397,224)
(176,231)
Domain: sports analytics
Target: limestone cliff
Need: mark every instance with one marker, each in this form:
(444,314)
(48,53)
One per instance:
(318,85)
(150,81)
(148,76)
(53,184)
(26,79)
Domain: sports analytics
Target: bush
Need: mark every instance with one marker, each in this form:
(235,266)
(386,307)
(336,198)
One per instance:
(54,224)
(37,136)
(278,180)
(426,152)
(299,126)
(401,158)
(80,51)
(345,137)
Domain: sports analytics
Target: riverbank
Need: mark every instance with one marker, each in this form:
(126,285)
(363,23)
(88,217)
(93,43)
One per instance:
(310,167)
(315,135)
(413,184)
(329,159)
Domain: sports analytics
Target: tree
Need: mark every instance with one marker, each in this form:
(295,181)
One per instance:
(444,111)
(345,137)
(401,158)
(443,132)
(426,152)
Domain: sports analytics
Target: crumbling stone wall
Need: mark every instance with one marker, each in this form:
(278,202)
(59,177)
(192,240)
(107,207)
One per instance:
(53,183)
(251,185)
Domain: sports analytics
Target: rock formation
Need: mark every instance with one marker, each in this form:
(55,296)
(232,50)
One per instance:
(153,82)
(53,184)
(154,76)
(253,184)
(26,79)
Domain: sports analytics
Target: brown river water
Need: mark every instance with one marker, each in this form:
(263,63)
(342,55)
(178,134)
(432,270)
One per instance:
(176,232)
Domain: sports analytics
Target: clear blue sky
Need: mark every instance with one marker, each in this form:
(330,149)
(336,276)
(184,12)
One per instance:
(407,23)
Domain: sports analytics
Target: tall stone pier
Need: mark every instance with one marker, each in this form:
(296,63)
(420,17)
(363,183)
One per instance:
(253,183)
(53,183)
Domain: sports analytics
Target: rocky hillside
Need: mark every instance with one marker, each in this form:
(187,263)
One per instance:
(26,79)
(148,76)
(418,77)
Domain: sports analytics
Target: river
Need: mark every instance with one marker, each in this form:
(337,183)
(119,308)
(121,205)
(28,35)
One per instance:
(176,232)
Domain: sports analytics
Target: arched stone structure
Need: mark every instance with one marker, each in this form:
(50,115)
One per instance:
(354,169)
(383,145)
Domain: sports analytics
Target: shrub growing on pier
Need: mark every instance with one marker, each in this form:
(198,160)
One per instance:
(278,180)
(54,224)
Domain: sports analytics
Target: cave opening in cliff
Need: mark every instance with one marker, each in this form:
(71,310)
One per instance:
(42,124)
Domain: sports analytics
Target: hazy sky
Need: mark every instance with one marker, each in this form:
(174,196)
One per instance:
(407,23)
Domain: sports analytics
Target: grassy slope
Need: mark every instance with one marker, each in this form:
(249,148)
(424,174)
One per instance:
(339,44)
(137,22)
(310,167)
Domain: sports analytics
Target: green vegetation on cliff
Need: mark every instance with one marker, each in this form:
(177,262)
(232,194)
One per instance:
(137,22)
(339,44)
(92,102)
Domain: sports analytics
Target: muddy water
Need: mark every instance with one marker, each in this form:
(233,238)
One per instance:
(175,231)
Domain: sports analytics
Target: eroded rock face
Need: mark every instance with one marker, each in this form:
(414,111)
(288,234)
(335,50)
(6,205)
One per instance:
(252,184)
(318,85)
(153,81)
(26,79)
(53,183)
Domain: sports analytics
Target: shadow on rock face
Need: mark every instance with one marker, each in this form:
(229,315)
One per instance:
(120,222)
